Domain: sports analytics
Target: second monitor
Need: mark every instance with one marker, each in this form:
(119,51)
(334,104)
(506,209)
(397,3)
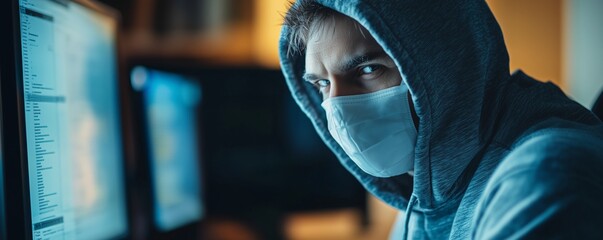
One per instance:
(168,115)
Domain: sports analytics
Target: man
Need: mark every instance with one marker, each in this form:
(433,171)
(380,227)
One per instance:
(416,100)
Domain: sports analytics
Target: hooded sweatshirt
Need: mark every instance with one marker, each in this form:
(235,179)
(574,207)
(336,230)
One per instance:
(498,155)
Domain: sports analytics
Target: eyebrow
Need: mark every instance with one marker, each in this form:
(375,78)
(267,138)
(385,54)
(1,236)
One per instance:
(309,77)
(349,64)
(360,59)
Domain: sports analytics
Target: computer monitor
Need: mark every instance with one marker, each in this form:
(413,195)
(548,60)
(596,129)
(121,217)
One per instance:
(73,137)
(170,106)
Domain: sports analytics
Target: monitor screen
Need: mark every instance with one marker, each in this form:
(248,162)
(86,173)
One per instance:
(171,103)
(72,122)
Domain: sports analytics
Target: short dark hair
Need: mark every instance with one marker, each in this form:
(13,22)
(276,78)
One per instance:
(300,20)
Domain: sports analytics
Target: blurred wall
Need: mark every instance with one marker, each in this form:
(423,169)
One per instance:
(584,50)
(268,18)
(533,31)
(533,35)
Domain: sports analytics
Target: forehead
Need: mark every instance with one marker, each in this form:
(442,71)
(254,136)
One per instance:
(337,30)
(334,40)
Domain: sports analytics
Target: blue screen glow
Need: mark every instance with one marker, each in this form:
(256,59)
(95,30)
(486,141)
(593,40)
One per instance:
(73,135)
(171,103)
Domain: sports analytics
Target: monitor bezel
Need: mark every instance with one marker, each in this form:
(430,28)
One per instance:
(21,125)
(10,103)
(142,152)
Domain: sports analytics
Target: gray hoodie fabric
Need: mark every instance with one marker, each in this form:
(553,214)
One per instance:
(498,155)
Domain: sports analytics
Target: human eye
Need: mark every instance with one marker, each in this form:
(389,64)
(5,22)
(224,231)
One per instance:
(370,73)
(321,83)
(370,69)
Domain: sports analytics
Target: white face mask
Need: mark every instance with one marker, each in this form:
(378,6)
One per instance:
(376,130)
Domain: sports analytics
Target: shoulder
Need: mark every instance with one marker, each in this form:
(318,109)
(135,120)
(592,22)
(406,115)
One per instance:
(562,151)
(550,184)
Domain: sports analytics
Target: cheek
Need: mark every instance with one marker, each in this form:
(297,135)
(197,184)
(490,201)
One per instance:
(389,78)
(392,77)
(393,74)
(396,79)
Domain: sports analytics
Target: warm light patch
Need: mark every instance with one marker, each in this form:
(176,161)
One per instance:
(268,20)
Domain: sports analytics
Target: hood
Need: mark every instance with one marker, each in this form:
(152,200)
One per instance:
(452,57)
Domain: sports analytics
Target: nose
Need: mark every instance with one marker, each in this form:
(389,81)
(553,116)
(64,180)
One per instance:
(339,87)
